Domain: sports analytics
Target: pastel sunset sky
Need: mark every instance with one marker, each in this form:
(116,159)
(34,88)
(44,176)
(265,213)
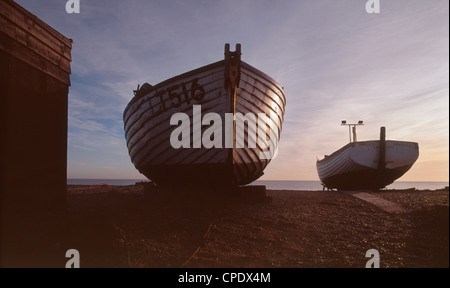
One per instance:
(335,61)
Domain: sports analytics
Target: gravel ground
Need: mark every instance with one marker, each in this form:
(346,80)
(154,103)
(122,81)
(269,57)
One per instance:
(116,227)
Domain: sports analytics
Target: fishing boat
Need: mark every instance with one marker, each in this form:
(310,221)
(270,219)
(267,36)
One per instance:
(204,126)
(367,165)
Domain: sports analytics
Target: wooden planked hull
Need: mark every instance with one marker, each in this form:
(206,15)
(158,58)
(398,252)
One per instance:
(356,165)
(209,89)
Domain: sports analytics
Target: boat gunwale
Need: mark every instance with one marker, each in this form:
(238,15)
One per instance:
(354,143)
(205,68)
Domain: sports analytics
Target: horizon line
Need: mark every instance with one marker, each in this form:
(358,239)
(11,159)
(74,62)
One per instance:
(442,181)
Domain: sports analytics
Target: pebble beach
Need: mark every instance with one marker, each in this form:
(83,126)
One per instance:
(114,226)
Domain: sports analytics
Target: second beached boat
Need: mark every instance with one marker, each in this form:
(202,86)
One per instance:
(219,124)
(367,165)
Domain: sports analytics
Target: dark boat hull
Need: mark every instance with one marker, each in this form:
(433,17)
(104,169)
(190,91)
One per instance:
(356,166)
(365,179)
(221,88)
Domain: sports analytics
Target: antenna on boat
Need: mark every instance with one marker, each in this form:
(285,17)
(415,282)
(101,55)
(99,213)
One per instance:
(352,128)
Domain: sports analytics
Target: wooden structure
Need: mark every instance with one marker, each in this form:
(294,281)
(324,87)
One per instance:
(34,80)
(367,165)
(224,89)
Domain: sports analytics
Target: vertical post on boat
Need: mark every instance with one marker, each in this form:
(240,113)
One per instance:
(352,127)
(382,160)
(232,79)
(349,133)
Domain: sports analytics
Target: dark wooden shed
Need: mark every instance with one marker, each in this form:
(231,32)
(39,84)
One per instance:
(34,84)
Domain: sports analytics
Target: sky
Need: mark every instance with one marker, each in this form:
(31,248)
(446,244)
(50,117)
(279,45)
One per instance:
(335,61)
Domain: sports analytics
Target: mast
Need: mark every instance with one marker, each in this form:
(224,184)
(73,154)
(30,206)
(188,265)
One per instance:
(352,129)
(232,79)
(382,160)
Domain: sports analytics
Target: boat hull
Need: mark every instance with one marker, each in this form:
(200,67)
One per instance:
(356,166)
(148,128)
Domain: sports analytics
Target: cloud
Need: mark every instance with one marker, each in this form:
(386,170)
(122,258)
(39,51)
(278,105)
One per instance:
(335,61)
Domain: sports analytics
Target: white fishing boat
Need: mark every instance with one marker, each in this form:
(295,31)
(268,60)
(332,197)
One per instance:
(367,165)
(228,87)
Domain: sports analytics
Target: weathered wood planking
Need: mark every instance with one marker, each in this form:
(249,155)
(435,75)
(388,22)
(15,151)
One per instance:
(34,80)
(257,93)
(148,136)
(32,43)
(29,39)
(355,166)
(148,130)
(36,27)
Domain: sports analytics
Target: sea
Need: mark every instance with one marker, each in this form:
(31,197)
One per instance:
(271,184)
